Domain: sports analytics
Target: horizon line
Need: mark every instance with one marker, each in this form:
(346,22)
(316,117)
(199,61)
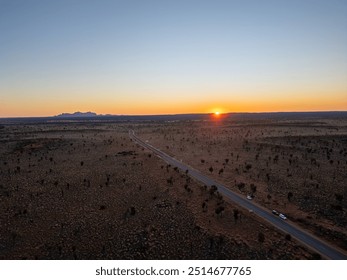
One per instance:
(173,114)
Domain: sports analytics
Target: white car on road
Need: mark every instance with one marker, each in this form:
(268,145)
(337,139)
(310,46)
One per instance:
(282,216)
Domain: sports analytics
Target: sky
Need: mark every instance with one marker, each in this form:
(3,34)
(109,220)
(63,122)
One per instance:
(168,57)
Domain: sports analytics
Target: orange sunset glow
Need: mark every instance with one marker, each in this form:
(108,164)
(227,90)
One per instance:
(135,60)
(204,131)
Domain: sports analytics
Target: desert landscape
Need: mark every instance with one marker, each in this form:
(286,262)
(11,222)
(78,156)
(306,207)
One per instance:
(209,132)
(82,189)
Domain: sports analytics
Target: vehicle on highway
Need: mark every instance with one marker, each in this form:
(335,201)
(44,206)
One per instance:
(282,216)
(275,212)
(249,197)
(320,246)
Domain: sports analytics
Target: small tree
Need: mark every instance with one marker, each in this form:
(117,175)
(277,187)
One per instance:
(338,197)
(213,190)
(253,188)
(132,211)
(204,206)
(241,186)
(290,196)
(170,181)
(261,237)
(267,176)
(236,215)
(219,210)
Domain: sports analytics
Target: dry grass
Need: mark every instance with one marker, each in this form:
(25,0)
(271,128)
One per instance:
(85,191)
(296,167)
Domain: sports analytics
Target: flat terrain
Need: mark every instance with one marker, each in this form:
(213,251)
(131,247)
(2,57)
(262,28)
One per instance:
(296,167)
(86,191)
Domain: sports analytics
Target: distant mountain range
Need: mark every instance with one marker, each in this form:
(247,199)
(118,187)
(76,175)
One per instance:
(276,115)
(77,115)
(91,116)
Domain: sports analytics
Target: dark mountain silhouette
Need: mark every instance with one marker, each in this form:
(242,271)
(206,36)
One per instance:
(77,115)
(91,117)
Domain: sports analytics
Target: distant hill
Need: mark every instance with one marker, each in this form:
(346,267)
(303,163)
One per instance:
(91,117)
(77,115)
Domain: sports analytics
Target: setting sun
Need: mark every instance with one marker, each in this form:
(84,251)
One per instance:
(131,59)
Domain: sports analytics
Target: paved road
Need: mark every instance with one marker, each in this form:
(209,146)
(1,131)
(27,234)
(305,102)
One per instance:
(301,235)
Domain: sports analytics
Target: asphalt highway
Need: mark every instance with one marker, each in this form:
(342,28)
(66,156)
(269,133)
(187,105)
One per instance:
(286,226)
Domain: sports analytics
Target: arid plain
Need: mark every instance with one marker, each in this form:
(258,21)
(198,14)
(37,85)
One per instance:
(84,190)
